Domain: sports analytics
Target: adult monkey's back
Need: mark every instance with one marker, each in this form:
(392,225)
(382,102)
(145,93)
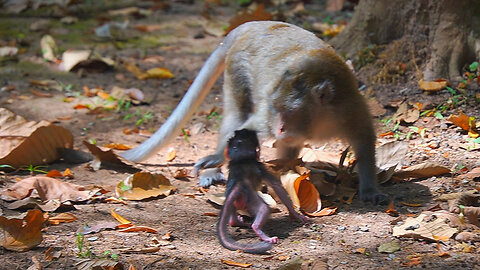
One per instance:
(283,82)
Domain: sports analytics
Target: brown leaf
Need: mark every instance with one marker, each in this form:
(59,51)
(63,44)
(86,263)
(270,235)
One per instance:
(156,73)
(405,114)
(232,263)
(144,185)
(259,14)
(115,200)
(328,211)
(432,86)
(22,234)
(134,70)
(421,227)
(119,218)
(462,120)
(472,175)
(118,146)
(24,143)
(422,170)
(87,264)
(312,155)
(68,174)
(303,193)
(411,204)
(391,210)
(61,218)
(47,189)
(40,94)
(54,174)
(180,173)
(147,28)
(171,154)
(136,228)
(376,109)
(107,156)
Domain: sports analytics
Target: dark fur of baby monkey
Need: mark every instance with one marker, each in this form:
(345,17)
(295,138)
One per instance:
(246,174)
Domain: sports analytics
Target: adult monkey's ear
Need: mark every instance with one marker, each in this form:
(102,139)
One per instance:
(323,92)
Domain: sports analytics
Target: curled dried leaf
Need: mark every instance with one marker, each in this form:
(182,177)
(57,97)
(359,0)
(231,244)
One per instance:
(22,234)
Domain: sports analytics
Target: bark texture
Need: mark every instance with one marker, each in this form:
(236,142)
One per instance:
(444,34)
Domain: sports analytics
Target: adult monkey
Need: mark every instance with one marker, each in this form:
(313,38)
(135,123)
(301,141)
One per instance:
(281,81)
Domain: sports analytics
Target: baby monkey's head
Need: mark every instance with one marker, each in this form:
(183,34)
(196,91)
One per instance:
(243,145)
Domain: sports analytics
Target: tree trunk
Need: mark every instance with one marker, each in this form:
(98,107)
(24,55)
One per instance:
(442,34)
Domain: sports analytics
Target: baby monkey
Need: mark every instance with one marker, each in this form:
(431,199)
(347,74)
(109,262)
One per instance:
(246,173)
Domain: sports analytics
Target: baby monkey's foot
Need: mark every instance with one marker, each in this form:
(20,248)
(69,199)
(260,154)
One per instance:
(239,221)
(271,240)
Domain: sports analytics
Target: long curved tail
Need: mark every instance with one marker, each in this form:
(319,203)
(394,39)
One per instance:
(228,242)
(222,230)
(195,95)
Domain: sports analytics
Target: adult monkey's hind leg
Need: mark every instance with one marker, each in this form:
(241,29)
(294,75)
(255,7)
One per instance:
(231,121)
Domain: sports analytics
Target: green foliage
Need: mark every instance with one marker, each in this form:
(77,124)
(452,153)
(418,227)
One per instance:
(34,169)
(473,66)
(5,166)
(185,135)
(84,249)
(214,114)
(244,2)
(367,55)
(143,117)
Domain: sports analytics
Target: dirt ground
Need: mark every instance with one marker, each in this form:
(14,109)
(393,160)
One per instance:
(330,242)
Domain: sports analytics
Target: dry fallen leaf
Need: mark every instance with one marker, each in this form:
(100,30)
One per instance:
(303,193)
(180,173)
(413,260)
(49,48)
(259,14)
(328,211)
(232,263)
(171,154)
(391,210)
(144,185)
(68,174)
(119,218)
(462,120)
(423,228)
(22,234)
(405,114)
(376,109)
(47,189)
(474,174)
(118,146)
(54,174)
(422,170)
(71,58)
(147,28)
(432,86)
(136,228)
(24,143)
(411,204)
(62,218)
(115,200)
(88,264)
(107,156)
(441,252)
(157,73)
